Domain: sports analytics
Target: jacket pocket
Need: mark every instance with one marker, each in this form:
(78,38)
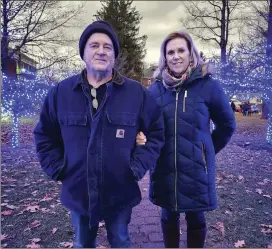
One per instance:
(204,156)
(128,119)
(73,120)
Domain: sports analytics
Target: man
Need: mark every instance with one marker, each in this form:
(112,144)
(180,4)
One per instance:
(86,139)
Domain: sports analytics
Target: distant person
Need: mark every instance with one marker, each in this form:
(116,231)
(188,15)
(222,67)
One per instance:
(233,107)
(249,112)
(183,180)
(244,109)
(86,139)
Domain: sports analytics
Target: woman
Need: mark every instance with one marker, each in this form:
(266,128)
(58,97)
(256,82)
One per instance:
(183,180)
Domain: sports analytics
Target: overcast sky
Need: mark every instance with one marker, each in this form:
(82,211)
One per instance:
(159,19)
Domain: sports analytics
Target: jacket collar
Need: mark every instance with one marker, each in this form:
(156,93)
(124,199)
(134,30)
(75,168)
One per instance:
(117,78)
(203,70)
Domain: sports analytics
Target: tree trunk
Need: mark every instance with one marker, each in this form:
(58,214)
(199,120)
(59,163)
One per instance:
(269,40)
(4,41)
(223,37)
(15,131)
(264,110)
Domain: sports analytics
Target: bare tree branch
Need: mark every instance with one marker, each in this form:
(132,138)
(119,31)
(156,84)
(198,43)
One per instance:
(34,25)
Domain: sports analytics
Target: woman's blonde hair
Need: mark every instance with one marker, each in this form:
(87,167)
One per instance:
(195,57)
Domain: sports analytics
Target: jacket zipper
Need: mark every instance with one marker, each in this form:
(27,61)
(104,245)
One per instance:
(176,172)
(204,157)
(184,100)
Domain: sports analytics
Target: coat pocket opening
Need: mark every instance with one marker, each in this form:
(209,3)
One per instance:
(128,119)
(73,120)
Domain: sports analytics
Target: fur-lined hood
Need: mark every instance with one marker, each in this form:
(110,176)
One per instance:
(208,68)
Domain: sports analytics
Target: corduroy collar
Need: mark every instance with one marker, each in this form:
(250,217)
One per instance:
(117,78)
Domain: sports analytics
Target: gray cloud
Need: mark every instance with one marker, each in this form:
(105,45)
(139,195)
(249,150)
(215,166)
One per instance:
(159,19)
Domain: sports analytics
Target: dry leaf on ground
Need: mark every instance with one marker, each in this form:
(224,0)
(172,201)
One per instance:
(239,243)
(66,244)
(7,212)
(259,191)
(4,236)
(33,245)
(266,229)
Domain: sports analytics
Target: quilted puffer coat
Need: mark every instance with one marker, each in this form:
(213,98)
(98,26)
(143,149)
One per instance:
(184,177)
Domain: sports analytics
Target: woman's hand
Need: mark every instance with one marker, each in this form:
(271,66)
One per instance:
(140,139)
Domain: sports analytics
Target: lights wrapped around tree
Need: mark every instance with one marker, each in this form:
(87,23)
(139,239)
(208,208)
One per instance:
(22,97)
(240,80)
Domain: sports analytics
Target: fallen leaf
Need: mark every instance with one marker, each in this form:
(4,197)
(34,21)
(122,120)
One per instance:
(264,182)
(268,196)
(4,236)
(248,191)
(45,210)
(220,227)
(241,178)
(32,209)
(54,230)
(35,240)
(239,243)
(251,209)
(11,206)
(33,245)
(34,224)
(101,224)
(259,191)
(7,212)
(228,212)
(46,198)
(66,244)
(269,246)
(266,229)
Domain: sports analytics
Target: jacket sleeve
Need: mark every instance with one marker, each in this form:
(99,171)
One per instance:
(48,139)
(145,156)
(222,117)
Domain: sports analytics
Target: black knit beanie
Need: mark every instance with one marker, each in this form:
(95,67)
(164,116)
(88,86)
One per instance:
(99,27)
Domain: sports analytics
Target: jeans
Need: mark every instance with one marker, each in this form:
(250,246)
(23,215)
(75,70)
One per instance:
(116,226)
(195,220)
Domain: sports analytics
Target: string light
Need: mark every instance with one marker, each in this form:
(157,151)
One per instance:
(238,77)
(22,97)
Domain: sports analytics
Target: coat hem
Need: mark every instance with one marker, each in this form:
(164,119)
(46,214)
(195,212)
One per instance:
(182,210)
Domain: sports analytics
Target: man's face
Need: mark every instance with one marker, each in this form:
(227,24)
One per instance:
(99,53)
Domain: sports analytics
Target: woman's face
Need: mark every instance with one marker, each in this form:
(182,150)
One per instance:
(177,55)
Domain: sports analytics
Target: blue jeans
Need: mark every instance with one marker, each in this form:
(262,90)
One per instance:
(116,226)
(195,220)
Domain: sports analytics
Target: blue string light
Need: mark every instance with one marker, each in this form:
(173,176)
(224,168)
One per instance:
(238,80)
(22,97)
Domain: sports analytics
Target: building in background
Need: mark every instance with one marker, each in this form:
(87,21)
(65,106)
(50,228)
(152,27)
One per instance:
(147,78)
(19,64)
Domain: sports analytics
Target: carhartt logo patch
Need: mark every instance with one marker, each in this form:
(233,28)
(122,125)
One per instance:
(120,133)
